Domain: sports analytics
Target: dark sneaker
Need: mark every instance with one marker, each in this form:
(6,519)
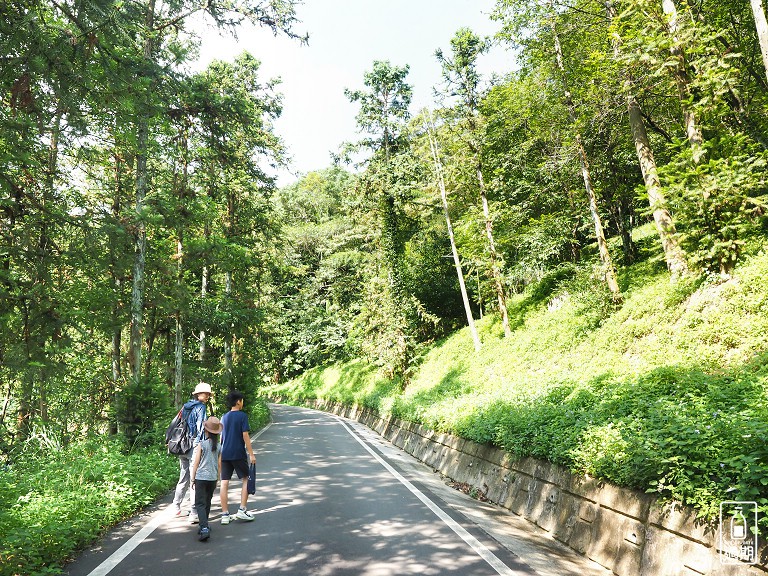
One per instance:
(205,533)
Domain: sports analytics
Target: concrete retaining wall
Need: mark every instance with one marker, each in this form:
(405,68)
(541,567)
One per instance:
(624,530)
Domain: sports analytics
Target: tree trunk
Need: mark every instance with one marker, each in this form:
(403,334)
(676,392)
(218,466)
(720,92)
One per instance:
(203,296)
(665,225)
(609,270)
(680,72)
(762,30)
(178,381)
(228,364)
(140,249)
(117,285)
(454,251)
(495,269)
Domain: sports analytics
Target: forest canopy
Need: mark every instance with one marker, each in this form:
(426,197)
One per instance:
(144,244)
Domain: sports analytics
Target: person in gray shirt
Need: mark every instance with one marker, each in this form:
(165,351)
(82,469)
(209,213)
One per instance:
(205,473)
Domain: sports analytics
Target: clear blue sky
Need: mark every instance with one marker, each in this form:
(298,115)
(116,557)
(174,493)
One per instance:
(345,37)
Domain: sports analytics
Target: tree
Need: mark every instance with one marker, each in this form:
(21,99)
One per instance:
(383,113)
(438,167)
(762,30)
(462,79)
(665,226)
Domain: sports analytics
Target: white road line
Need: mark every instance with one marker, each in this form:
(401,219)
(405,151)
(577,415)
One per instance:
(473,542)
(122,553)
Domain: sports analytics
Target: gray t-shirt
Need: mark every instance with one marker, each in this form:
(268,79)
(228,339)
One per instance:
(208,468)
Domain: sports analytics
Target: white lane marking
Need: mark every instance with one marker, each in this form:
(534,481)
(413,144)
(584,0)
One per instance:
(471,541)
(122,553)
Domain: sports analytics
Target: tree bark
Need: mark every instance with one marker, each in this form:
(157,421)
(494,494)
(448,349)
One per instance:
(609,270)
(178,355)
(674,255)
(665,225)
(495,269)
(203,296)
(140,247)
(762,30)
(680,72)
(454,250)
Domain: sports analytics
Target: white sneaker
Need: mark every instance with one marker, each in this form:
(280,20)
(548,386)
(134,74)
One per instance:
(225,519)
(193,519)
(243,514)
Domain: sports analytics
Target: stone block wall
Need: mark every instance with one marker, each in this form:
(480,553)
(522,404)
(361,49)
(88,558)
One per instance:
(626,531)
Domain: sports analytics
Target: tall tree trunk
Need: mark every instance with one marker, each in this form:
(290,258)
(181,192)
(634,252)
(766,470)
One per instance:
(498,282)
(140,250)
(674,255)
(762,30)
(609,270)
(228,338)
(680,72)
(117,285)
(178,355)
(454,251)
(665,225)
(179,344)
(203,296)
(44,266)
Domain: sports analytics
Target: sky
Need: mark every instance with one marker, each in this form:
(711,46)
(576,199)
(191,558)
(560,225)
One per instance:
(345,38)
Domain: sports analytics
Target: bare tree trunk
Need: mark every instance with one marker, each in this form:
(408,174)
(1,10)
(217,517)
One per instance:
(454,251)
(680,72)
(140,252)
(609,270)
(228,337)
(495,269)
(117,319)
(762,30)
(178,380)
(665,225)
(203,296)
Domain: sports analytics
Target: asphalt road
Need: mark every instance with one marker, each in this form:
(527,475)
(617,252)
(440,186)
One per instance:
(332,499)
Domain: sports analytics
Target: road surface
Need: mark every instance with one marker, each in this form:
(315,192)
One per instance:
(335,499)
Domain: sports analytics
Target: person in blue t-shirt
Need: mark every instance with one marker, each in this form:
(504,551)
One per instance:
(236,450)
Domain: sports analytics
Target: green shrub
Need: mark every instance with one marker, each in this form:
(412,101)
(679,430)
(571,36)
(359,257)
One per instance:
(56,502)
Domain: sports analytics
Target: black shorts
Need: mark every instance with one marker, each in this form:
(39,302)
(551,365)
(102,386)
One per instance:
(229,466)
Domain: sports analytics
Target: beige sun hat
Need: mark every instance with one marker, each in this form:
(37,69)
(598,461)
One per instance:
(200,388)
(213,425)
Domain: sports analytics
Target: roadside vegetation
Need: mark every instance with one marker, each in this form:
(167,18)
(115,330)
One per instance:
(566,259)
(55,500)
(666,394)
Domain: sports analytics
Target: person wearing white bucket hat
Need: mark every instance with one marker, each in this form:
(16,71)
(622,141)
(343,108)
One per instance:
(194,412)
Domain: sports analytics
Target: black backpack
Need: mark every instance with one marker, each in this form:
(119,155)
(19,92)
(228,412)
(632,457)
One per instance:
(177,436)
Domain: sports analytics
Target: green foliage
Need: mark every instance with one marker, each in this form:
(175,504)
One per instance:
(666,394)
(55,502)
(714,200)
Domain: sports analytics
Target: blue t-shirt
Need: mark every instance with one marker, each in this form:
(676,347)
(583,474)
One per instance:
(235,422)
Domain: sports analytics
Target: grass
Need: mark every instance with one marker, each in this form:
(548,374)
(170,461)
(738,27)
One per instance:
(56,502)
(667,393)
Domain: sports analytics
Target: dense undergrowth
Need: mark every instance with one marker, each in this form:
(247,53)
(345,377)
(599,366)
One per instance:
(667,393)
(55,501)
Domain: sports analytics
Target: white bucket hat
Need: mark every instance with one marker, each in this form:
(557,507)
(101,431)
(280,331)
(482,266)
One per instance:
(201,387)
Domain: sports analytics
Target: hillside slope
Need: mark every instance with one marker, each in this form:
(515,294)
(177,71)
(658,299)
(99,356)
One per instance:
(667,393)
